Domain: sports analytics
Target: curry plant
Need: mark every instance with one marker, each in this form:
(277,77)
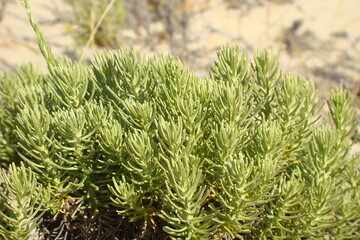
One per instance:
(20,202)
(243,153)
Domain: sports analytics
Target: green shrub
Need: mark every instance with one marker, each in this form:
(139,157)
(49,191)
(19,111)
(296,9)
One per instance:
(241,154)
(85,15)
(20,203)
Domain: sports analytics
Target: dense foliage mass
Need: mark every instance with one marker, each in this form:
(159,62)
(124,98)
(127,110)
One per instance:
(241,154)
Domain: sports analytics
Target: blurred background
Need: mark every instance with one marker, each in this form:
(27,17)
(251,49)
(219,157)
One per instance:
(318,39)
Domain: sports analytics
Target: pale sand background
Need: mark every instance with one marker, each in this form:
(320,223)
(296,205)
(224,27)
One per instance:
(257,27)
(326,47)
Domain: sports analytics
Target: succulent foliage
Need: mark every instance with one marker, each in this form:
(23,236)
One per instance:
(242,153)
(20,202)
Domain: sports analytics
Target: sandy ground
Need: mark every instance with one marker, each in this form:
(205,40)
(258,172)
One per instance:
(327,25)
(17,40)
(323,21)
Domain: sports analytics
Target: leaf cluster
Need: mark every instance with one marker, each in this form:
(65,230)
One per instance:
(242,153)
